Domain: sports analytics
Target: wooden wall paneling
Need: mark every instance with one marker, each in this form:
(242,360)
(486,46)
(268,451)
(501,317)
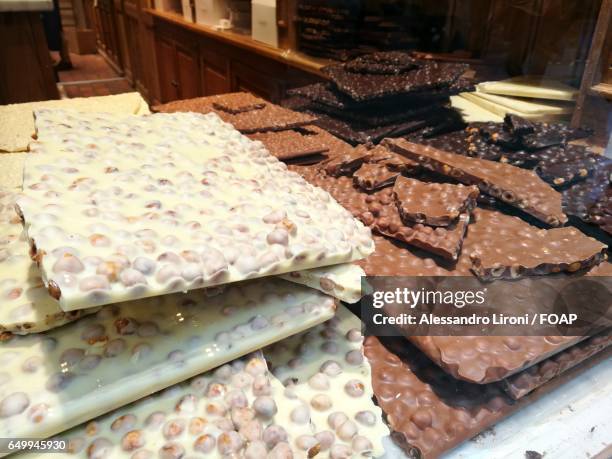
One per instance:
(187,72)
(166,58)
(258,81)
(214,68)
(151,88)
(125,58)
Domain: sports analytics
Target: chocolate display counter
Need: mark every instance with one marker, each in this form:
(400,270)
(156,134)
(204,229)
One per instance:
(186,283)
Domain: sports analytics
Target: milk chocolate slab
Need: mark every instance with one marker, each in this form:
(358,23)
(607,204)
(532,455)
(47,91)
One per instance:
(373,176)
(291,144)
(348,162)
(523,383)
(66,376)
(269,118)
(507,247)
(393,161)
(238,103)
(383,217)
(96,246)
(518,187)
(434,204)
(429,75)
(430,412)
(378,211)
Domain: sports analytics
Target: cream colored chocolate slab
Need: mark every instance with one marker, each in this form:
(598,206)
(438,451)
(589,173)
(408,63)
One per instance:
(328,387)
(17,120)
(25,304)
(58,379)
(11,170)
(472,113)
(534,87)
(340,281)
(502,110)
(133,207)
(526,106)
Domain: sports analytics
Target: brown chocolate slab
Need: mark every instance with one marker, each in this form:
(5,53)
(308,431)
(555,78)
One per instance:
(429,411)
(291,143)
(373,176)
(363,86)
(502,246)
(382,155)
(434,204)
(239,102)
(383,217)
(269,118)
(378,211)
(521,384)
(518,187)
(348,162)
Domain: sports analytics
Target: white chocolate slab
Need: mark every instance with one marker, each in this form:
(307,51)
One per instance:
(17,120)
(25,304)
(472,113)
(530,86)
(56,380)
(328,384)
(11,170)
(528,107)
(133,207)
(340,281)
(502,110)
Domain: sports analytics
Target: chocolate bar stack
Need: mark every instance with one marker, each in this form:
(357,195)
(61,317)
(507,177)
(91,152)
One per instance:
(288,135)
(383,94)
(167,252)
(438,391)
(328,29)
(582,175)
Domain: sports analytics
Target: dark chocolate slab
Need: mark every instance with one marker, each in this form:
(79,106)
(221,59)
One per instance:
(518,187)
(429,75)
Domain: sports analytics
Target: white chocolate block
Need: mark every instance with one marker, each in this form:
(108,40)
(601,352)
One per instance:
(11,170)
(25,304)
(472,113)
(534,87)
(529,107)
(242,409)
(340,281)
(328,384)
(17,120)
(501,110)
(128,208)
(61,378)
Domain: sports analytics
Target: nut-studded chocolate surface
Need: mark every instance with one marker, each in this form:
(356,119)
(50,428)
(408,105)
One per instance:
(435,204)
(518,187)
(131,349)
(502,246)
(113,218)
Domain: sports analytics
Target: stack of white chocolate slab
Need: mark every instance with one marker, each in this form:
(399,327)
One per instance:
(159,242)
(529,97)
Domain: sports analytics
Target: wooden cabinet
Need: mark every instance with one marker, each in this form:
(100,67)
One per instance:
(256,80)
(178,68)
(215,69)
(106,32)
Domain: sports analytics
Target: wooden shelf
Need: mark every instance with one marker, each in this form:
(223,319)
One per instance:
(286,56)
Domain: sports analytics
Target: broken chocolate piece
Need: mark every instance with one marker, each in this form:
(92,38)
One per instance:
(566,164)
(239,102)
(431,412)
(269,118)
(373,176)
(347,163)
(521,384)
(507,247)
(383,62)
(384,218)
(518,187)
(434,204)
(517,125)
